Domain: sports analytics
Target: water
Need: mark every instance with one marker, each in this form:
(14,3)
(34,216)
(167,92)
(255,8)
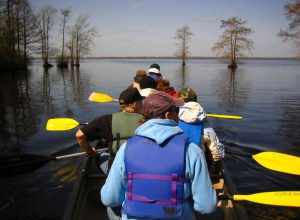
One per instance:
(265,92)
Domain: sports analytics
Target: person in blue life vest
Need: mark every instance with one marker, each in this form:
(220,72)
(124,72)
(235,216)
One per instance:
(192,121)
(157,174)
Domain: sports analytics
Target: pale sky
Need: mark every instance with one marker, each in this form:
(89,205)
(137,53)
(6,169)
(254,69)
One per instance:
(147,27)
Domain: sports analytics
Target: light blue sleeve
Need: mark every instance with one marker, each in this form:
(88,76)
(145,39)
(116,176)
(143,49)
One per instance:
(203,194)
(113,191)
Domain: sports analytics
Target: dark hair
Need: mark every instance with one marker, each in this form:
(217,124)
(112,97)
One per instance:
(147,82)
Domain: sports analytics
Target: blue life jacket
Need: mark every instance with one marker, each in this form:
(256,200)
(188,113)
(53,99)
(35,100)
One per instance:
(193,131)
(155,177)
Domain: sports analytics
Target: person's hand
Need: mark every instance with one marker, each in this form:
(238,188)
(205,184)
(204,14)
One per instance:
(91,152)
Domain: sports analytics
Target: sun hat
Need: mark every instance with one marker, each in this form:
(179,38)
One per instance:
(157,103)
(191,112)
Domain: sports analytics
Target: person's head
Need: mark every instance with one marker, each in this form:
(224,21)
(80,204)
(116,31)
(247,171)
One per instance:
(163,85)
(147,82)
(129,100)
(154,72)
(139,75)
(191,112)
(187,95)
(155,65)
(161,105)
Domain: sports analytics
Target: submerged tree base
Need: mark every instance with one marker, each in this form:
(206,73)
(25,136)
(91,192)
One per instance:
(63,65)
(47,65)
(232,66)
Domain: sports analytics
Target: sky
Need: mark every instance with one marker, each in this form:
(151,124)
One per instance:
(147,27)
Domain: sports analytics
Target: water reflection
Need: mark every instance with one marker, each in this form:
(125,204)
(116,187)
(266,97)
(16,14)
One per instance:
(182,73)
(67,173)
(289,129)
(48,104)
(232,89)
(16,105)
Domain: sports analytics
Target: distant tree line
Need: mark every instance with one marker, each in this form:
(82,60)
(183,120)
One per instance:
(24,33)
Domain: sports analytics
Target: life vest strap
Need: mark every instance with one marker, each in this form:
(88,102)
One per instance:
(174,178)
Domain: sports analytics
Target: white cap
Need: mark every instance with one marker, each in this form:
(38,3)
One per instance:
(191,112)
(153,70)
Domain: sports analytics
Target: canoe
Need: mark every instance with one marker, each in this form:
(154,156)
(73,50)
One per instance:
(84,202)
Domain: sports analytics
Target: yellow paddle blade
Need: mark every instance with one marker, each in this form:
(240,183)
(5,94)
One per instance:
(61,124)
(281,198)
(100,97)
(279,162)
(225,116)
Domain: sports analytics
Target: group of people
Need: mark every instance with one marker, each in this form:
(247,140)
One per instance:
(156,166)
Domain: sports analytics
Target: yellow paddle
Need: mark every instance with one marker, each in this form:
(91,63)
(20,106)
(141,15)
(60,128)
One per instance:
(61,124)
(274,161)
(280,198)
(103,98)
(237,117)
(279,162)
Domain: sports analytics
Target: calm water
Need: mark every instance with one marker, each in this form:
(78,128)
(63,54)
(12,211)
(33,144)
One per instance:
(265,92)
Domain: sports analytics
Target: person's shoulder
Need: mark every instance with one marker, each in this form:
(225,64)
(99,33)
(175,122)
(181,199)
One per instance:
(103,119)
(194,150)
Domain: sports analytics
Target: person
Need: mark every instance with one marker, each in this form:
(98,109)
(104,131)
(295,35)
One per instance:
(112,129)
(156,174)
(164,85)
(191,120)
(187,94)
(146,86)
(154,72)
(139,75)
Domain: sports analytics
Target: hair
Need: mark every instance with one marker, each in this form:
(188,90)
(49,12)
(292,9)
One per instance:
(162,84)
(139,75)
(147,82)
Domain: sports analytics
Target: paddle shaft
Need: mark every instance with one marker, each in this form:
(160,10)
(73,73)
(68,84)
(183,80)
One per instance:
(280,198)
(78,154)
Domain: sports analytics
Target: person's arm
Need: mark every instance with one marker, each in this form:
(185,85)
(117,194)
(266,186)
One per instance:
(84,144)
(203,194)
(97,129)
(113,191)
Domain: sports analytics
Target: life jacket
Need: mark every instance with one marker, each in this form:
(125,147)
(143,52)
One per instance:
(155,178)
(193,131)
(123,127)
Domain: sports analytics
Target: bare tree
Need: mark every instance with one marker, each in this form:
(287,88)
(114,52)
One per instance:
(66,14)
(234,41)
(183,36)
(82,37)
(292,11)
(18,33)
(46,21)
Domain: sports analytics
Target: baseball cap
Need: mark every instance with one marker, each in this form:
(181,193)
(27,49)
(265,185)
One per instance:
(129,96)
(155,65)
(158,103)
